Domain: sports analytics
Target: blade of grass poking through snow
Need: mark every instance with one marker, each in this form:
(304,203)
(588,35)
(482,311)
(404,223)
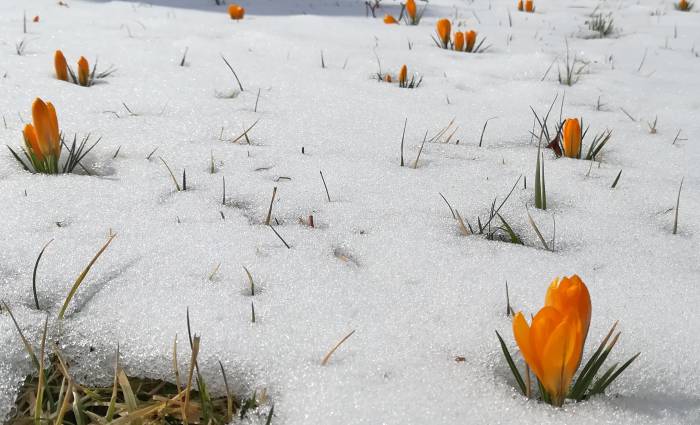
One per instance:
(415,163)
(39,404)
(452,211)
(245,132)
(328,355)
(499,207)
(279,236)
(176,368)
(128,394)
(403,137)
(82,275)
(27,346)
(250,280)
(36,266)
(579,388)
(678,202)
(328,195)
(269,415)
(483,130)
(540,191)
(600,389)
(113,399)
(616,180)
(234,72)
(462,228)
(269,211)
(537,230)
(229,399)
(514,238)
(177,185)
(511,365)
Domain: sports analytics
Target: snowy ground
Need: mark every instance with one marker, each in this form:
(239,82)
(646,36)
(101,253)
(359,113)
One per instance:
(416,291)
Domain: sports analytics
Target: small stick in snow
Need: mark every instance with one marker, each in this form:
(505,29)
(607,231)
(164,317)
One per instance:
(678,201)
(483,130)
(415,163)
(403,136)
(256,102)
(328,195)
(234,72)
(279,236)
(269,211)
(328,355)
(184,56)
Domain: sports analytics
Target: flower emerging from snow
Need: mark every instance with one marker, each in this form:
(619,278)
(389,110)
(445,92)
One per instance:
(571,138)
(470,37)
(529,6)
(236,12)
(552,345)
(403,74)
(42,138)
(83,72)
(61,66)
(388,19)
(459,41)
(443,31)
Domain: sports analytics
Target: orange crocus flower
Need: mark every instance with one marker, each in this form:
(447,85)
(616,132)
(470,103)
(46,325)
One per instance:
(42,137)
(471,40)
(387,78)
(36,19)
(403,75)
(236,12)
(571,138)
(552,345)
(411,9)
(61,66)
(443,31)
(530,6)
(520,5)
(459,41)
(83,72)
(388,19)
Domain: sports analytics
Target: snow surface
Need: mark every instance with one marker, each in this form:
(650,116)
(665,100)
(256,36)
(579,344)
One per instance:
(416,291)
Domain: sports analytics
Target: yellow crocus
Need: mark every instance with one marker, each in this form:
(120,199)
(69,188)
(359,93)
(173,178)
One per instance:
(459,41)
(411,9)
(60,65)
(236,12)
(42,136)
(83,72)
(551,346)
(571,138)
(470,37)
(403,76)
(443,31)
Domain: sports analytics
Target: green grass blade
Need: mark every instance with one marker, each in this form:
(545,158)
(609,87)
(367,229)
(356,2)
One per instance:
(82,275)
(511,364)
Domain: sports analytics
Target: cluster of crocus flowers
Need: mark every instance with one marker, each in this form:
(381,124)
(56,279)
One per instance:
(236,12)
(464,42)
(413,16)
(42,138)
(529,6)
(571,138)
(63,71)
(401,78)
(552,346)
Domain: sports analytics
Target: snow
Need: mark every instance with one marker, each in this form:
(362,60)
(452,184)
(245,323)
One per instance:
(416,291)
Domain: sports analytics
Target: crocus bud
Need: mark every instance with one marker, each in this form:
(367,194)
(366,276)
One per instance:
(443,30)
(683,5)
(36,19)
(459,41)
(520,5)
(529,6)
(571,138)
(83,72)
(403,75)
(60,65)
(45,126)
(388,19)
(387,78)
(411,9)
(236,12)
(470,37)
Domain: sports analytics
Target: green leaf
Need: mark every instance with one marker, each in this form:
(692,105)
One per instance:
(617,373)
(511,364)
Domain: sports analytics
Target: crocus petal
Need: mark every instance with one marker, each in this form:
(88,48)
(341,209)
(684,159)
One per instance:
(571,142)
(60,65)
(42,126)
(83,71)
(443,29)
(55,134)
(556,358)
(31,141)
(411,9)
(521,331)
(236,12)
(459,41)
(471,40)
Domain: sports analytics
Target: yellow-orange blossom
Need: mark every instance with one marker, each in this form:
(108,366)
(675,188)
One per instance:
(552,345)
(571,138)
(443,30)
(411,9)
(42,136)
